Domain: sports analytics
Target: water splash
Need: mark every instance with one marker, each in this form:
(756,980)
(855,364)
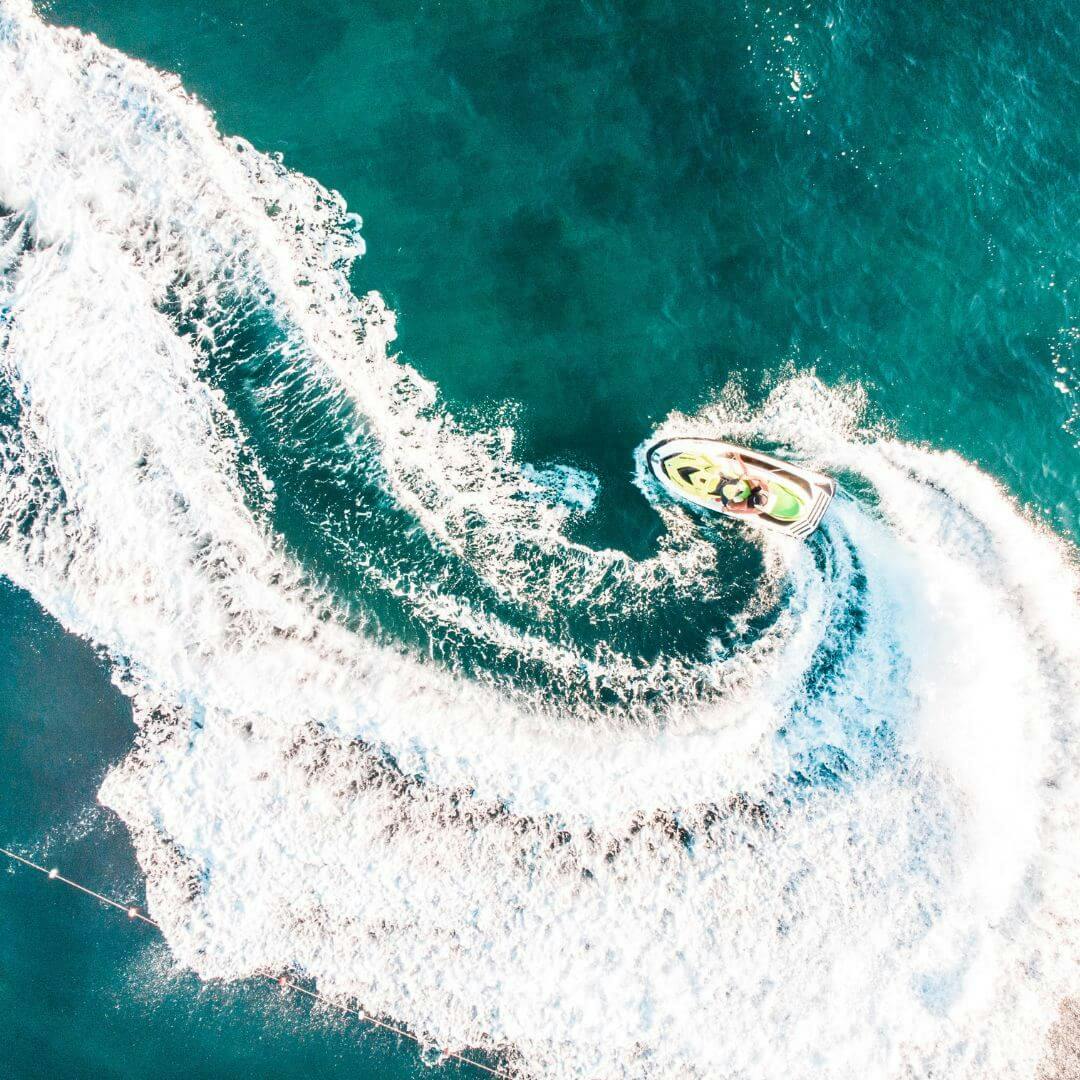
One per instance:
(837,843)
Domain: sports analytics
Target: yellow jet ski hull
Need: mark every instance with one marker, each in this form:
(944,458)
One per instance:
(797,497)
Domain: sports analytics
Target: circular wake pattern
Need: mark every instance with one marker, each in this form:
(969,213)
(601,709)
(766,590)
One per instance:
(828,834)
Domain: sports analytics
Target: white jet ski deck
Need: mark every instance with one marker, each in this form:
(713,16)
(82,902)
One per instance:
(741,483)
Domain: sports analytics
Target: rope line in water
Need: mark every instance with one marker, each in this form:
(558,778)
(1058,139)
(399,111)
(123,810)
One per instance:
(283,981)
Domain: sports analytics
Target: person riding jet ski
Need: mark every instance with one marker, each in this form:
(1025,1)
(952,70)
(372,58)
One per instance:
(740,482)
(741,494)
(731,483)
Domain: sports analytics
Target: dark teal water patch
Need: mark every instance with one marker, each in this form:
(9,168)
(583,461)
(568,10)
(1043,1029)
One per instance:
(603,211)
(540,232)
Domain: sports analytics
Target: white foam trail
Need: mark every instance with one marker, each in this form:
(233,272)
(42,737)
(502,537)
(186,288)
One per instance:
(573,489)
(680,893)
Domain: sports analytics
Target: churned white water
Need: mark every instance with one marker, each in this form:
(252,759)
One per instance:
(847,851)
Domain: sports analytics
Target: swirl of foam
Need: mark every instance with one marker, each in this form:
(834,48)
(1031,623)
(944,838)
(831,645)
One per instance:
(845,852)
(130,259)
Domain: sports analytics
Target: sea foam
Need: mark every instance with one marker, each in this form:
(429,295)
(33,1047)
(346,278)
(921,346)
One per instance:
(842,848)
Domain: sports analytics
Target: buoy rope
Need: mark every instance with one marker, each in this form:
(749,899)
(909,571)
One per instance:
(283,981)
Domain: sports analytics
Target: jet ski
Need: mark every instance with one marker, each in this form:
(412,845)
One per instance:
(742,483)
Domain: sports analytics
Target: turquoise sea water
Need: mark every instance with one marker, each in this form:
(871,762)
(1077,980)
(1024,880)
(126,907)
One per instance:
(602,212)
(585,217)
